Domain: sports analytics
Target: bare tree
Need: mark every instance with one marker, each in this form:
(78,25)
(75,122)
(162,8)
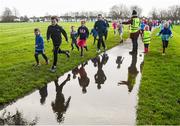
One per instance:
(153,14)
(119,11)
(174,12)
(7,15)
(15,12)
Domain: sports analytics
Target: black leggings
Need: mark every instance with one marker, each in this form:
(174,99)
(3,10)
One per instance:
(74,43)
(83,51)
(57,51)
(43,55)
(165,45)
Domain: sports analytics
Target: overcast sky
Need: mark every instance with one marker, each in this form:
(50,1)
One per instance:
(58,7)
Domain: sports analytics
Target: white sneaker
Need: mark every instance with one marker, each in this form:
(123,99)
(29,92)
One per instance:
(53,69)
(98,51)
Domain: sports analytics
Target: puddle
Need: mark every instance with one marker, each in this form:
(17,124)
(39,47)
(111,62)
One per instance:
(102,91)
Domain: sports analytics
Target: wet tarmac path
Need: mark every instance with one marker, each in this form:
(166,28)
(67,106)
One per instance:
(102,91)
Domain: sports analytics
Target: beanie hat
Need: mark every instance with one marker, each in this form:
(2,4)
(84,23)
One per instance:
(134,13)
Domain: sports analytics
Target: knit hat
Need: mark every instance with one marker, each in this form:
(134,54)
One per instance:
(134,13)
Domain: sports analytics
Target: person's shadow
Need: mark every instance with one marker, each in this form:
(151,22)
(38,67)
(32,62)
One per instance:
(60,106)
(83,78)
(43,93)
(119,61)
(100,76)
(132,74)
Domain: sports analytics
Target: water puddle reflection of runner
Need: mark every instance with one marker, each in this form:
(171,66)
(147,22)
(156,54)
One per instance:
(102,91)
(60,106)
(132,74)
(100,76)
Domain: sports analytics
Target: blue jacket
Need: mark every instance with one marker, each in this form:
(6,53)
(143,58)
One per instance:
(100,27)
(165,34)
(39,43)
(142,25)
(94,32)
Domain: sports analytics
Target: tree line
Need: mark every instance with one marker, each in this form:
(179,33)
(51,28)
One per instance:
(119,11)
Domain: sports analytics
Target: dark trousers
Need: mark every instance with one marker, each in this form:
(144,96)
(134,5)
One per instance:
(43,55)
(57,51)
(101,41)
(106,34)
(74,42)
(165,45)
(135,44)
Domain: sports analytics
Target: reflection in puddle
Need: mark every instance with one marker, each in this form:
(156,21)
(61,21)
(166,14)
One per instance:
(119,61)
(100,91)
(100,76)
(132,74)
(16,119)
(60,106)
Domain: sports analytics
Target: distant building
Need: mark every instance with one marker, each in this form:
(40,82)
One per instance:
(17,20)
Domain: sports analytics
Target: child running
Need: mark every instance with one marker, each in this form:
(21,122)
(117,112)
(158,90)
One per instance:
(94,34)
(120,30)
(114,25)
(54,32)
(74,38)
(146,38)
(165,35)
(83,34)
(142,28)
(39,47)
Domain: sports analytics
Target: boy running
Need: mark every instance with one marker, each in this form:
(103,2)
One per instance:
(39,47)
(54,32)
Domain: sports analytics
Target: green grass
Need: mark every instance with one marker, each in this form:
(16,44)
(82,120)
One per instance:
(159,95)
(17,76)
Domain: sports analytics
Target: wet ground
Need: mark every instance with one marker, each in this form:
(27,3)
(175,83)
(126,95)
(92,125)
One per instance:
(102,91)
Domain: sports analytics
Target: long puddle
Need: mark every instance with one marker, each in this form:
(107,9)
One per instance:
(102,91)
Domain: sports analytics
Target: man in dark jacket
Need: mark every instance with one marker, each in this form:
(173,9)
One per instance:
(135,25)
(54,32)
(101,28)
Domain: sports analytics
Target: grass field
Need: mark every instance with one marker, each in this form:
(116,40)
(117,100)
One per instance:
(18,77)
(159,96)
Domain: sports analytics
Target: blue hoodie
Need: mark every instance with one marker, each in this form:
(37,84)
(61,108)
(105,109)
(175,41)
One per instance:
(142,25)
(165,34)
(94,32)
(39,42)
